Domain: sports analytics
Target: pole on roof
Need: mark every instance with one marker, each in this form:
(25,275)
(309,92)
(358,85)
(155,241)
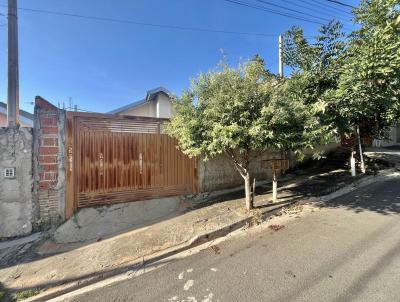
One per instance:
(13,77)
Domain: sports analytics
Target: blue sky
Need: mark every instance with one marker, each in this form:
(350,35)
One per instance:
(102,65)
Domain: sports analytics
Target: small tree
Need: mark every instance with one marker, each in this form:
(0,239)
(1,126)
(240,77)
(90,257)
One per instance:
(240,113)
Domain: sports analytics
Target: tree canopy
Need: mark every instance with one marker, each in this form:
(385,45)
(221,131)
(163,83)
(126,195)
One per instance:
(355,77)
(239,112)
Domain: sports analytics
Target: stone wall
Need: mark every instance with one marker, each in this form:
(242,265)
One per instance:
(16,192)
(48,167)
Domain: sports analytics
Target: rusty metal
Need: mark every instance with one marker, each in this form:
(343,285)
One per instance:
(275,164)
(121,159)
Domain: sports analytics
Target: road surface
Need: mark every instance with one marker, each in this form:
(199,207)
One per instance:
(347,251)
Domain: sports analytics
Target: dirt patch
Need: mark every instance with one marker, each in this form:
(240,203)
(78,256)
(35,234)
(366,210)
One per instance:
(276,227)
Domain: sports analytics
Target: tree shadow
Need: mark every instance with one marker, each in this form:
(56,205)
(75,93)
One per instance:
(380,197)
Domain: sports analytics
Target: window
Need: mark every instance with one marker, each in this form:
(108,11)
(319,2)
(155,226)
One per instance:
(9,172)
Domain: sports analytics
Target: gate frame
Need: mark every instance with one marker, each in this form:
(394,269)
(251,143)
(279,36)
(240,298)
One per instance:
(71,185)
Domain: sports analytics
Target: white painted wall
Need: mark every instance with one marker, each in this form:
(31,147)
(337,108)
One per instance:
(146,109)
(164,106)
(160,107)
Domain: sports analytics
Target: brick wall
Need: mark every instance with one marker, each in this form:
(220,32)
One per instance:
(48,163)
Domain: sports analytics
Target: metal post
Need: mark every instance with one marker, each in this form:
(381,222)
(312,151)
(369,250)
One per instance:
(353,164)
(274,186)
(280,71)
(360,148)
(13,81)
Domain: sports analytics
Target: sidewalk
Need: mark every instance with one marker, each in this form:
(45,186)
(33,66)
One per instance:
(48,265)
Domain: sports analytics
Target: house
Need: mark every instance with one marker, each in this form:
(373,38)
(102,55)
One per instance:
(26,118)
(157,103)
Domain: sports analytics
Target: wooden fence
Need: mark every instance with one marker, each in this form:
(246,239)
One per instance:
(113,159)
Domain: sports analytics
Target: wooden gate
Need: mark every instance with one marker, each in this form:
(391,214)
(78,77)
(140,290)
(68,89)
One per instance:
(120,159)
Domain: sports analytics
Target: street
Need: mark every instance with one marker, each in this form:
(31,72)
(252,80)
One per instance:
(349,250)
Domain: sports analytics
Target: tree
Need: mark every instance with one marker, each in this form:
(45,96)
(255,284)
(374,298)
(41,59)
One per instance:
(316,67)
(240,113)
(356,77)
(368,93)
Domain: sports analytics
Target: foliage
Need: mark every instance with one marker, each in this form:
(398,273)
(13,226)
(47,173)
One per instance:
(357,77)
(316,66)
(369,88)
(240,112)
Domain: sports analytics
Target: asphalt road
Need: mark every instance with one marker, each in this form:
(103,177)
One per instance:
(347,251)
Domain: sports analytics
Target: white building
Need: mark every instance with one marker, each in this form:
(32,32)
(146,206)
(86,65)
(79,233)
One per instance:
(157,103)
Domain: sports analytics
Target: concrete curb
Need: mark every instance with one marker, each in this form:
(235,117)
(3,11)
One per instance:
(201,239)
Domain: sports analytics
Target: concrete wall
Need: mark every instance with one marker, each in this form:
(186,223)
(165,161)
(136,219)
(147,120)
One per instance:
(219,173)
(101,221)
(16,193)
(48,164)
(394,137)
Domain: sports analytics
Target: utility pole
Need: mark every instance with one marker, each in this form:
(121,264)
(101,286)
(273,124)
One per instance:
(13,77)
(280,71)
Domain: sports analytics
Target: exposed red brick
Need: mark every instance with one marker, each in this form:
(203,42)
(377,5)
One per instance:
(51,141)
(44,185)
(50,168)
(49,176)
(47,159)
(43,104)
(48,150)
(46,121)
(50,130)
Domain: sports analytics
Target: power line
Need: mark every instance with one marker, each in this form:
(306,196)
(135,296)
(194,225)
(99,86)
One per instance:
(342,4)
(155,25)
(263,8)
(320,10)
(293,10)
(326,6)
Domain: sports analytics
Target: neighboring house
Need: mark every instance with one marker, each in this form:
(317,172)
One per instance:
(25,118)
(157,103)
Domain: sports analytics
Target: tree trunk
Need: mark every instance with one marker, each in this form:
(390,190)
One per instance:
(247,186)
